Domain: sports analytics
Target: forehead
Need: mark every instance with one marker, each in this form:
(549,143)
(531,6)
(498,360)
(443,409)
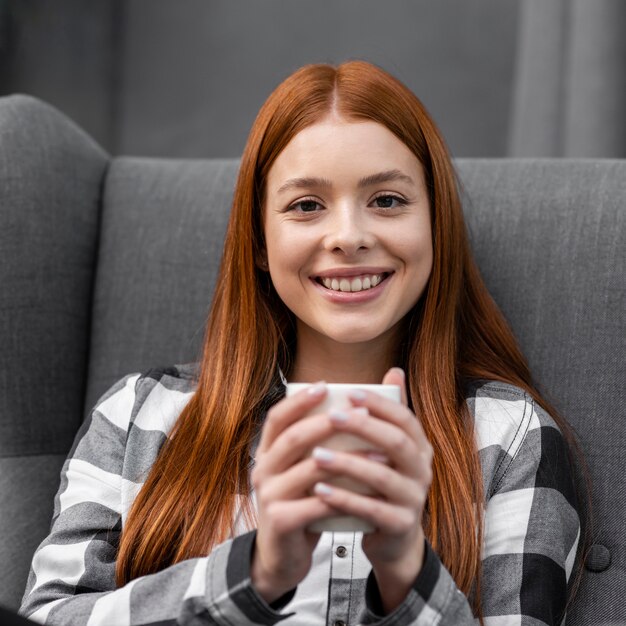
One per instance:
(335,148)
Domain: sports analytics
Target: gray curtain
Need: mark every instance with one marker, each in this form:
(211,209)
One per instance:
(185,78)
(569,94)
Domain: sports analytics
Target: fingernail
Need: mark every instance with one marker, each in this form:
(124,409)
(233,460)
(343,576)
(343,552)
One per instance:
(317,389)
(322,489)
(400,371)
(357,394)
(338,416)
(323,454)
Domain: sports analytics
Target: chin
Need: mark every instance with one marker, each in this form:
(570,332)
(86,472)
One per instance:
(353,336)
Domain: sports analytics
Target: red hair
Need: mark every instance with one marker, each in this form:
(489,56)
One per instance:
(454,335)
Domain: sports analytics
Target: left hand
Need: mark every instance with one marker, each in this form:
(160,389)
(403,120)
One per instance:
(396,546)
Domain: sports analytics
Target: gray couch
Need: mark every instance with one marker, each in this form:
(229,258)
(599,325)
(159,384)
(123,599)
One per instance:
(107,266)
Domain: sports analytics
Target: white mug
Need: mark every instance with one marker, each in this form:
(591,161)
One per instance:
(337,398)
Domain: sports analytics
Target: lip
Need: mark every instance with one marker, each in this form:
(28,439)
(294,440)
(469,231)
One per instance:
(352,297)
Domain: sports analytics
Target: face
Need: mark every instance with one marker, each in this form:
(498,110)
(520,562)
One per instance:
(347,230)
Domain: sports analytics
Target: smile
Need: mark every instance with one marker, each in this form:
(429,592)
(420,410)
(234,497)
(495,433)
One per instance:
(352,284)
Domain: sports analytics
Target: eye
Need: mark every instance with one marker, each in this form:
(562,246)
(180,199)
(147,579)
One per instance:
(304,206)
(389,201)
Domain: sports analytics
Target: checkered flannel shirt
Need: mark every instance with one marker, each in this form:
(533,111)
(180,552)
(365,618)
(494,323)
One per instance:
(531,531)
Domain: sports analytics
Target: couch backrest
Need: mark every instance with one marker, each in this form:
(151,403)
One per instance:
(108,267)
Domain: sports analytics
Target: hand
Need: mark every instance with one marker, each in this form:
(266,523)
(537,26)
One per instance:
(283,478)
(396,547)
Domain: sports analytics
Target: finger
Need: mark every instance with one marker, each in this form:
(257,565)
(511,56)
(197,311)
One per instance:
(382,480)
(409,453)
(390,411)
(283,517)
(384,516)
(295,482)
(288,411)
(395,376)
(294,443)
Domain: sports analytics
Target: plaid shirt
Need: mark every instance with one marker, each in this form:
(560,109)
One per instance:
(531,531)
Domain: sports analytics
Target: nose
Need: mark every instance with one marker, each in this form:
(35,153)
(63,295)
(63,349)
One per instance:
(349,231)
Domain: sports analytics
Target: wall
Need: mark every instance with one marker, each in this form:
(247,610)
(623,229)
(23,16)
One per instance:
(185,78)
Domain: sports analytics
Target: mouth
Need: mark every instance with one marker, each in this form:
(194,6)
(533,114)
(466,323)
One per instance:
(352,284)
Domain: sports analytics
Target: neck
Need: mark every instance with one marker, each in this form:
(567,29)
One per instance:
(321,358)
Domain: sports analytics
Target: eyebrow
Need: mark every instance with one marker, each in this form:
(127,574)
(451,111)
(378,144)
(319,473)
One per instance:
(367,181)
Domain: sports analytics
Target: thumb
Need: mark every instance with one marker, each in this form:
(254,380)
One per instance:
(396,376)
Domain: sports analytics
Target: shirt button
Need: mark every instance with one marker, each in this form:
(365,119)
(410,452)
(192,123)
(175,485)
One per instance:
(339,622)
(340,552)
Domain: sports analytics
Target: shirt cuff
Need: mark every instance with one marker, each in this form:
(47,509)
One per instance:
(416,600)
(241,590)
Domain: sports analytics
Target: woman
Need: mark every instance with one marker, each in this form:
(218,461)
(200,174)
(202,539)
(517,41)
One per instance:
(188,494)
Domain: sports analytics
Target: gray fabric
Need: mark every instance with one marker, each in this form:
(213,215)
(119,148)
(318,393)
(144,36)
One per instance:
(162,236)
(569,93)
(50,177)
(596,124)
(549,238)
(27,488)
(539,90)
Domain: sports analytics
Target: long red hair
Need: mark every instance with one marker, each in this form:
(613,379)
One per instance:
(455,334)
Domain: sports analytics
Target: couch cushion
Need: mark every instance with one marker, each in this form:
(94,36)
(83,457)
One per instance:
(161,241)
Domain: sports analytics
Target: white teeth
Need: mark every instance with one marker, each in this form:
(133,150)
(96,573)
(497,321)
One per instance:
(356,285)
(360,283)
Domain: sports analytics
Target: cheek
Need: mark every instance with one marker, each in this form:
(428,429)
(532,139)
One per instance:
(284,252)
(289,254)
(416,250)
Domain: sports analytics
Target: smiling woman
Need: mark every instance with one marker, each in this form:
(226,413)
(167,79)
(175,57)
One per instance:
(348,244)
(346,261)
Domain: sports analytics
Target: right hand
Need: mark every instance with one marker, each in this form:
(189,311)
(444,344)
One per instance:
(283,478)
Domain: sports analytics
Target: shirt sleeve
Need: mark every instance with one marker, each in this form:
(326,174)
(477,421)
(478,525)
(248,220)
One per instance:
(72,576)
(532,529)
